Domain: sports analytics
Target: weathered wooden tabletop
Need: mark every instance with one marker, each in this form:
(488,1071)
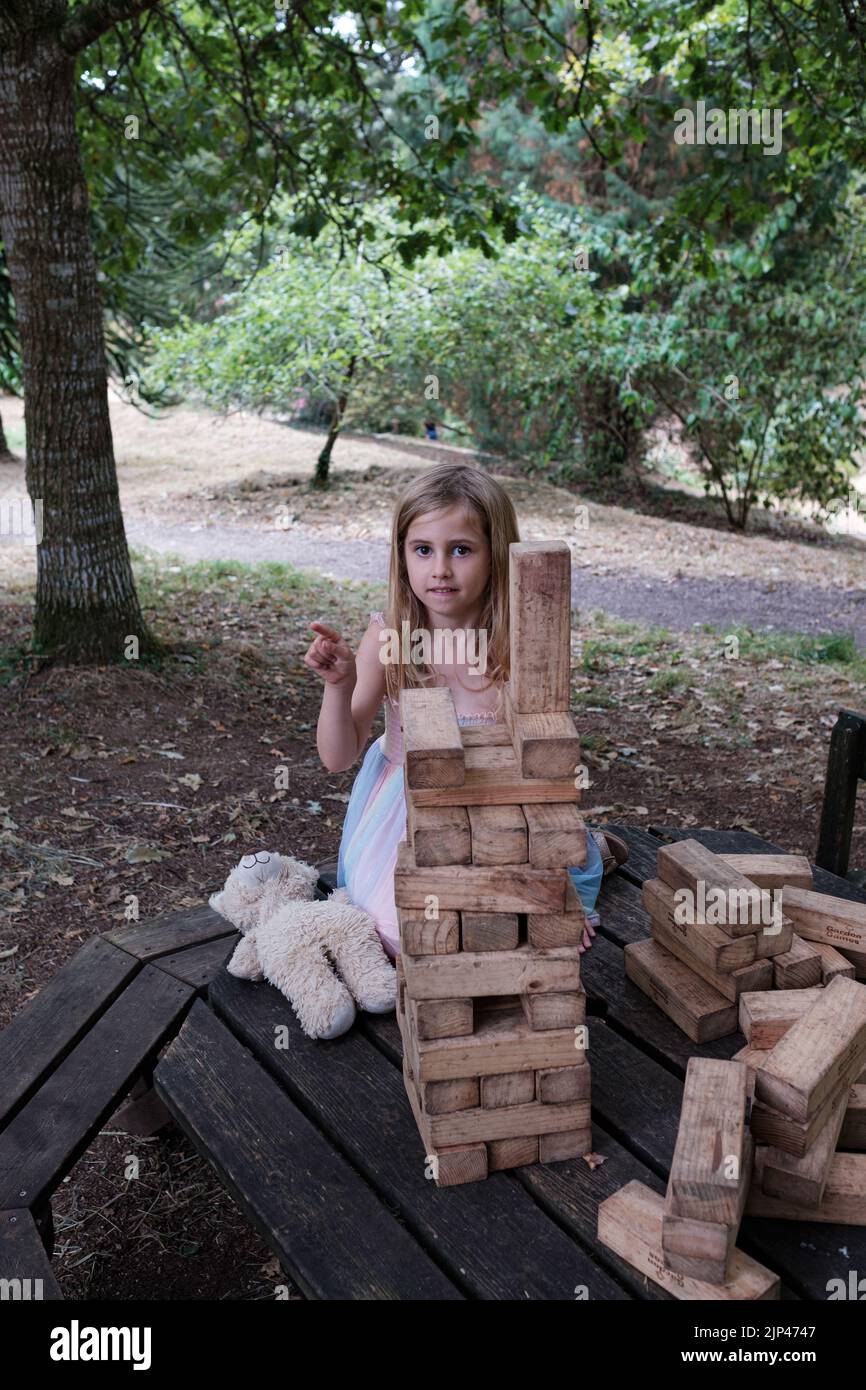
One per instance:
(343,1195)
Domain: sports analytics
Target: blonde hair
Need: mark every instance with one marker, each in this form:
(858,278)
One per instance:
(438,487)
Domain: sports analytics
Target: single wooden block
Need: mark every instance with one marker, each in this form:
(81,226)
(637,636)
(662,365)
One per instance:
(853,1135)
(440,1018)
(544,1012)
(774,941)
(772,870)
(489,931)
(799,968)
(693,1005)
(765,1017)
(699,1249)
(498,835)
(439,834)
(510,1088)
(832,962)
(823,1050)
(557,836)
(844,1199)
(714,888)
(630,1224)
(802,1180)
(493,778)
(539,588)
(463,1163)
(485,735)
(704,941)
(547,929)
(820,917)
(571,1143)
(555,1085)
(421,936)
(512,1153)
(472,974)
(730,983)
(502,1042)
(545,745)
(442,1097)
(706,1175)
(431,738)
(509,1122)
(477,888)
(772,1127)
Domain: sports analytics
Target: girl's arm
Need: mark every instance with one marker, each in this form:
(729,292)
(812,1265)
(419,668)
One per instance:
(354,687)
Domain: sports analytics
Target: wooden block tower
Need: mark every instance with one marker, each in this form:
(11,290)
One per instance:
(489,999)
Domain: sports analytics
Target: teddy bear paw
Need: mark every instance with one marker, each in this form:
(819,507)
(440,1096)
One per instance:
(341,1022)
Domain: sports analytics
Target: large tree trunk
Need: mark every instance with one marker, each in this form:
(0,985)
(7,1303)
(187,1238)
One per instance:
(86,604)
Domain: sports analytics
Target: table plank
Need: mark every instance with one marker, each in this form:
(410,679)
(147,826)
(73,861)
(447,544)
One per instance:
(491,1237)
(23,1256)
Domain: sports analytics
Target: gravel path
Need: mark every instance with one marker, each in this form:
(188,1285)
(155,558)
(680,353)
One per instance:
(676,604)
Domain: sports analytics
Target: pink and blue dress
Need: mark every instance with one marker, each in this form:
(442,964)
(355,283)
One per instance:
(376,823)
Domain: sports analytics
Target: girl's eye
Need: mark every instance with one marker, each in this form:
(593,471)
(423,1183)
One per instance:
(463,547)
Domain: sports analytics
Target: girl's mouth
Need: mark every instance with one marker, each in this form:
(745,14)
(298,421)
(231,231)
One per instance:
(443,591)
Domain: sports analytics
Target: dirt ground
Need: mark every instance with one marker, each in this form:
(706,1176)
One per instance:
(152,782)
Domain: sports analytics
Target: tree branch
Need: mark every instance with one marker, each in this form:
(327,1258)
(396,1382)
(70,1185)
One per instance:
(90,21)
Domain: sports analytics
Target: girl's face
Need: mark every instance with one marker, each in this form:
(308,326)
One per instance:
(448,560)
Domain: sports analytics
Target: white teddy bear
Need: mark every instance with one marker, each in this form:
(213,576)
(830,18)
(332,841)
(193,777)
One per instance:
(322,954)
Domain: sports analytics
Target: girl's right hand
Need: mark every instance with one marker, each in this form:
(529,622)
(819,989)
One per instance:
(330,657)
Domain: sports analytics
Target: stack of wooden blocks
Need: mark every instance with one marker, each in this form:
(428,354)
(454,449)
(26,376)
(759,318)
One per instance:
(780,1130)
(489,999)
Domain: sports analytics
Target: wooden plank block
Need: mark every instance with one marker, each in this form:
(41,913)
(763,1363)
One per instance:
(473,974)
(823,1050)
(170,932)
(539,588)
(731,983)
(765,1017)
(485,735)
(802,1180)
(49,1026)
(511,1088)
(502,1042)
(489,931)
(440,1018)
(199,965)
(853,1135)
(844,1199)
(421,936)
(693,1005)
(554,1085)
(471,1126)
(772,870)
(548,929)
(832,962)
(774,941)
(714,888)
(512,1153)
(630,1224)
(498,835)
(710,1160)
(451,1166)
(557,836)
(496,781)
(24,1260)
(42,1143)
(571,1143)
(441,1097)
(820,917)
(438,834)
(704,941)
(545,1012)
(477,888)
(433,755)
(799,968)
(772,1127)
(545,744)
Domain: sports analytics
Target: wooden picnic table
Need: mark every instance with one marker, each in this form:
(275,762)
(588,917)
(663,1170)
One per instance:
(317,1144)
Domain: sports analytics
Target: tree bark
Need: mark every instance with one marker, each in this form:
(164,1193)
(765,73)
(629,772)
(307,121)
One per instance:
(87,608)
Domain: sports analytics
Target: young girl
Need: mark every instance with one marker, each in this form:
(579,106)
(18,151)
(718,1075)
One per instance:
(449,569)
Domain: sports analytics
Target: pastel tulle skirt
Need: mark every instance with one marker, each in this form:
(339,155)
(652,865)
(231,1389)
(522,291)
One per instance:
(374,826)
